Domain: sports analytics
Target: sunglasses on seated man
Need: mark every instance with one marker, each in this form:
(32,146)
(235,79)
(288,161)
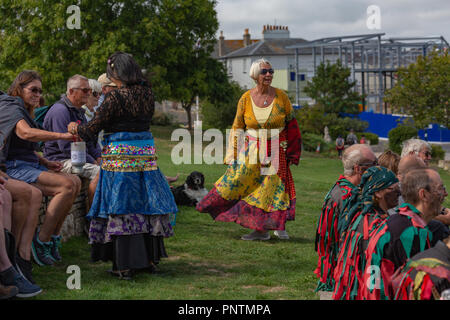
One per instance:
(85,90)
(368,164)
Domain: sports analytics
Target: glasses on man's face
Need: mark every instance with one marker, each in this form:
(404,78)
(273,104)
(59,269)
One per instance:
(441,188)
(35,90)
(368,164)
(264,71)
(85,90)
(427,154)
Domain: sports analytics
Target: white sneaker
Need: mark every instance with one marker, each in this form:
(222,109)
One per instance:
(281,234)
(255,235)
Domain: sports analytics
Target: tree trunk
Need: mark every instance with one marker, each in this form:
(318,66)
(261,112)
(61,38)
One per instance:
(188,107)
(189,115)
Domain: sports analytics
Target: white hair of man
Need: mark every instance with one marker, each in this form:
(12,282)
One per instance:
(414,145)
(352,156)
(95,85)
(255,68)
(74,82)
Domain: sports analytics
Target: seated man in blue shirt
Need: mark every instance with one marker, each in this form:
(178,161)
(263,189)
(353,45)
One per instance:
(69,109)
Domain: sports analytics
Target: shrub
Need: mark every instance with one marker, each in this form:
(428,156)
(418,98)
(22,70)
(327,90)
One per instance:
(311,141)
(398,135)
(161,119)
(313,119)
(221,114)
(372,137)
(341,126)
(437,153)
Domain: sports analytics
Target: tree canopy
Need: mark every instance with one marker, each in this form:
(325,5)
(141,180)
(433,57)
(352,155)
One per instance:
(334,96)
(423,90)
(331,89)
(171,39)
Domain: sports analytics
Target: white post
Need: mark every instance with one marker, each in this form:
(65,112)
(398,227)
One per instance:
(197,122)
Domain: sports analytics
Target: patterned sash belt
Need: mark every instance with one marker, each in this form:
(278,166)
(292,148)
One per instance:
(129,156)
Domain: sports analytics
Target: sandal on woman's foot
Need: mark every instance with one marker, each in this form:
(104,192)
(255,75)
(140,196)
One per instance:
(255,235)
(152,268)
(124,274)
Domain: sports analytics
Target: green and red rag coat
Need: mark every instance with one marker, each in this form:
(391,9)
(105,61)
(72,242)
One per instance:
(327,234)
(396,240)
(351,260)
(358,222)
(425,276)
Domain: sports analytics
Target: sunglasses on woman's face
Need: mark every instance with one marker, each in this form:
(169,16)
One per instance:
(35,90)
(95,94)
(264,71)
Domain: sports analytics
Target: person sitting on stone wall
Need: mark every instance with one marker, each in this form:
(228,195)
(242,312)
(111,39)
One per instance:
(24,163)
(12,283)
(69,109)
(26,202)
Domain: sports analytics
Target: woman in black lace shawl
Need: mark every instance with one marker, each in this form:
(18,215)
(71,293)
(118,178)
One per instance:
(133,208)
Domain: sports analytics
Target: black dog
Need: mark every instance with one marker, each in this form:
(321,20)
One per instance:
(192,191)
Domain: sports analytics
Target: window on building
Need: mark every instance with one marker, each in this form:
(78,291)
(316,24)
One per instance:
(292,75)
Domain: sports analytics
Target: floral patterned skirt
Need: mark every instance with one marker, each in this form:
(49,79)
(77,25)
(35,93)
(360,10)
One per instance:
(131,241)
(246,196)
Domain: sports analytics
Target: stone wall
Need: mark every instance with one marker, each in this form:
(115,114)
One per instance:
(75,222)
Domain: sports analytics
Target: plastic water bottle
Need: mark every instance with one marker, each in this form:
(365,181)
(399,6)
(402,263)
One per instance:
(78,156)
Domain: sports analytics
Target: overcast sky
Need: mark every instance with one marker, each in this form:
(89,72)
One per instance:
(313,19)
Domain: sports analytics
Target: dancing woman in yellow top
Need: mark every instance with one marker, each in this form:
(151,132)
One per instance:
(257,190)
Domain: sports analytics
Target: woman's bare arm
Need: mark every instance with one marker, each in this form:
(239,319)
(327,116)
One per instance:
(25,132)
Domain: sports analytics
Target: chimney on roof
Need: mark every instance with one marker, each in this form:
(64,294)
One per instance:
(247,40)
(221,44)
(275,32)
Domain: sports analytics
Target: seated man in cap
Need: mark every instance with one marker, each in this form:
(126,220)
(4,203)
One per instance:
(107,86)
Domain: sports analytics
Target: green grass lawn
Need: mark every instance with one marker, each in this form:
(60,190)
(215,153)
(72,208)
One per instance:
(207,259)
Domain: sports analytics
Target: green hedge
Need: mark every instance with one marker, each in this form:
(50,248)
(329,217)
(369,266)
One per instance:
(398,135)
(162,119)
(372,137)
(437,153)
(311,141)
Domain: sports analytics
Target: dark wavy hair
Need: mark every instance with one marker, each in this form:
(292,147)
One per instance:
(123,67)
(21,81)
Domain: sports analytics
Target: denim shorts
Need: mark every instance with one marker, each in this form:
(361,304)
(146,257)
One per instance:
(24,171)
